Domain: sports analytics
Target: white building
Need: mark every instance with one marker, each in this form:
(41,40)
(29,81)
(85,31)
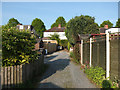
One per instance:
(112,30)
(58,30)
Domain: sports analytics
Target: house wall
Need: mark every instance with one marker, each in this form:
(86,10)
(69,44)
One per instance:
(61,34)
(113,30)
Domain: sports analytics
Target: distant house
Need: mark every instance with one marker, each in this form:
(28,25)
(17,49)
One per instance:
(47,40)
(27,27)
(112,30)
(58,30)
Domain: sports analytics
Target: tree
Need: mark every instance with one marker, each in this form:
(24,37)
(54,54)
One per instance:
(55,36)
(12,22)
(38,26)
(118,23)
(60,20)
(17,47)
(106,23)
(80,25)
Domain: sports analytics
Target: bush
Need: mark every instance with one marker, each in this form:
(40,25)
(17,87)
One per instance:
(76,51)
(73,57)
(17,47)
(64,43)
(96,74)
(106,84)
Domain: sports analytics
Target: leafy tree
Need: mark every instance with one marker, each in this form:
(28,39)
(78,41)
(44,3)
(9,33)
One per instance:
(12,22)
(118,23)
(80,25)
(55,36)
(106,23)
(38,26)
(17,47)
(60,20)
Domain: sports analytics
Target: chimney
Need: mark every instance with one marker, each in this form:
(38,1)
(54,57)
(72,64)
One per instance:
(59,26)
(106,26)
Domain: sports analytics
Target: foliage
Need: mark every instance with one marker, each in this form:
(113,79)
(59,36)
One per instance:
(80,25)
(17,47)
(12,22)
(38,26)
(96,74)
(55,36)
(68,46)
(106,84)
(59,20)
(76,51)
(118,23)
(72,55)
(64,43)
(106,23)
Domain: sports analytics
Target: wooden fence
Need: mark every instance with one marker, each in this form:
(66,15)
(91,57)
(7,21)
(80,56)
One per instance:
(99,52)
(51,47)
(15,75)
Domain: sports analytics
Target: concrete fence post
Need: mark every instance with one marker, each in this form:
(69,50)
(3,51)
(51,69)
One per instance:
(90,51)
(107,56)
(81,51)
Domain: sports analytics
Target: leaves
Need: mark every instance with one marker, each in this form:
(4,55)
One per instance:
(38,26)
(106,23)
(59,20)
(80,25)
(17,47)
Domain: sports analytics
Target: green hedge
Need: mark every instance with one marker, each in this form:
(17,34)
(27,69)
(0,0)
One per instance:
(17,47)
(76,51)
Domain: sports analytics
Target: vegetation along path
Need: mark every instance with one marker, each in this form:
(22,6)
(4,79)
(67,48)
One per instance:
(63,73)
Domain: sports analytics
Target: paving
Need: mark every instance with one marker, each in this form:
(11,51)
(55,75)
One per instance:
(63,73)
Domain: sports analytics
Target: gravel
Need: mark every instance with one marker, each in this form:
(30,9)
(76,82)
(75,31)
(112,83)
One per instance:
(63,73)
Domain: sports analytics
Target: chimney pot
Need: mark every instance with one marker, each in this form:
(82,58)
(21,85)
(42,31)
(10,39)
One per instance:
(106,26)
(59,26)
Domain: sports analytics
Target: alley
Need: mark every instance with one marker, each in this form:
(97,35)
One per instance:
(63,73)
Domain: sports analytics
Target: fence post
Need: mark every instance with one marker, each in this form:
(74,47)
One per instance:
(90,51)
(107,56)
(81,51)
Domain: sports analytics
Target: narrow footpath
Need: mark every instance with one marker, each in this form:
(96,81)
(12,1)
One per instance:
(63,73)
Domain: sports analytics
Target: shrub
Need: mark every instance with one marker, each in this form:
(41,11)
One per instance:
(106,84)
(76,51)
(96,74)
(64,43)
(73,56)
(17,47)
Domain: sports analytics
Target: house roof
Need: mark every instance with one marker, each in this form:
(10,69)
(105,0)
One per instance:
(56,29)
(45,38)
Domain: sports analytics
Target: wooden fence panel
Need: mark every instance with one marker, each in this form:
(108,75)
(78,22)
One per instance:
(20,81)
(14,75)
(114,63)
(9,78)
(23,74)
(18,74)
(6,78)
(12,78)
(2,77)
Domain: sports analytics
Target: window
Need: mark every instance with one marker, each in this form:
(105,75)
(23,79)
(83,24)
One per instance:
(28,27)
(21,27)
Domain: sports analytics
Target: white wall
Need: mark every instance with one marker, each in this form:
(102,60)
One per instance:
(61,34)
(112,30)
